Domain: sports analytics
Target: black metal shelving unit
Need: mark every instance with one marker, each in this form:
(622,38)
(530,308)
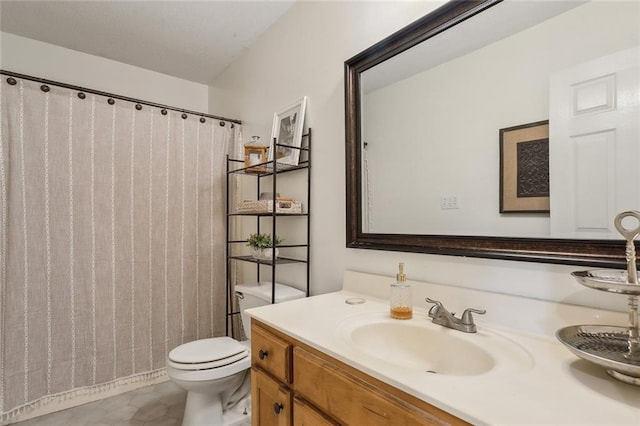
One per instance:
(272,169)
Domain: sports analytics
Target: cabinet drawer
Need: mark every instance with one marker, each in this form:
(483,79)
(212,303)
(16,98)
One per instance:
(352,401)
(271,353)
(270,401)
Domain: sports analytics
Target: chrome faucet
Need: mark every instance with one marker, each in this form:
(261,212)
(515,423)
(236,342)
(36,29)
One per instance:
(445,318)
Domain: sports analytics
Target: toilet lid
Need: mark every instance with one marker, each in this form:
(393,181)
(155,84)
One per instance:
(211,350)
(210,365)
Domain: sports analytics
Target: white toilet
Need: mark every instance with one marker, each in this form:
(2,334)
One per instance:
(215,371)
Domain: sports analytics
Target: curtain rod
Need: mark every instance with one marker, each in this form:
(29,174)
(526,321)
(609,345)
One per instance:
(111,95)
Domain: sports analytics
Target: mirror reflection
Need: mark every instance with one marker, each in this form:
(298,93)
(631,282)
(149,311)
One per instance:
(431,120)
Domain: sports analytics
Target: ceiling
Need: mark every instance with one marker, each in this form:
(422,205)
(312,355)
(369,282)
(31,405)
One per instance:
(193,40)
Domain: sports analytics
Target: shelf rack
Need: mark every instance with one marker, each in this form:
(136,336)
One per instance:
(271,169)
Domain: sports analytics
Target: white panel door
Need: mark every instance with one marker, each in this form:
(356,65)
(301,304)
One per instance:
(594,145)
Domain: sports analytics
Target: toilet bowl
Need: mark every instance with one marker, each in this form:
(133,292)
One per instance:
(215,371)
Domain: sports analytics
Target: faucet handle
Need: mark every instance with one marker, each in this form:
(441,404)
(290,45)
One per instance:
(435,308)
(467,318)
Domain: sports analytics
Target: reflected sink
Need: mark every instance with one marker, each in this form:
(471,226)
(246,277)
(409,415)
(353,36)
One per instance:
(417,344)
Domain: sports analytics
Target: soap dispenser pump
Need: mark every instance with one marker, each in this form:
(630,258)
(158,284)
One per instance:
(400,300)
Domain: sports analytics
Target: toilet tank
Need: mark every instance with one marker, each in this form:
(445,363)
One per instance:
(259,294)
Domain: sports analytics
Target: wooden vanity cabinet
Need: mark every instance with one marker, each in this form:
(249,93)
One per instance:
(315,389)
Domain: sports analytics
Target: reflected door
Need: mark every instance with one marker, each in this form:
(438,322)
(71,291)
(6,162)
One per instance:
(594,138)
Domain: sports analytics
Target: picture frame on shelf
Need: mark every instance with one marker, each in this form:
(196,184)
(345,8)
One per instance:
(524,168)
(287,131)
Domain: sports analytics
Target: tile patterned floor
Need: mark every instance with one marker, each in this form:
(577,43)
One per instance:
(157,405)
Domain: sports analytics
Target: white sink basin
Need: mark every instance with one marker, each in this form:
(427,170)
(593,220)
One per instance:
(417,344)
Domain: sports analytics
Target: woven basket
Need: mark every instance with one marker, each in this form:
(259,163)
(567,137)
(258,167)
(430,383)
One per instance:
(266,206)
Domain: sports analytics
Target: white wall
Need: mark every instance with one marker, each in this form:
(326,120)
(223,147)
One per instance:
(44,60)
(304,54)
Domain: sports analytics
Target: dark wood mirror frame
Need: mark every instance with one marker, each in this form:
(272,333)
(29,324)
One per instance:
(598,253)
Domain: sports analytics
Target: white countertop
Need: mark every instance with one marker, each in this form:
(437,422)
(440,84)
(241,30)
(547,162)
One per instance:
(555,387)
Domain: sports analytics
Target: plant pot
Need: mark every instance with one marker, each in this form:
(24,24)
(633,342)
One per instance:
(263,254)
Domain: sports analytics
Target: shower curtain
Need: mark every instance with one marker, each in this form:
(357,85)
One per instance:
(112,240)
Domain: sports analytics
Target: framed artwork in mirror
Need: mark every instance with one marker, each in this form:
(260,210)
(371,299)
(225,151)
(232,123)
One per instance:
(287,133)
(524,168)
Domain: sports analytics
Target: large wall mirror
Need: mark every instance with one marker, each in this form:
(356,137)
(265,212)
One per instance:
(499,129)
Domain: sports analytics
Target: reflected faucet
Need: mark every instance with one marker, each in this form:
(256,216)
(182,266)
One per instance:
(442,316)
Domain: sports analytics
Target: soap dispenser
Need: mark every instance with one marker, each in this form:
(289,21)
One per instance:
(400,300)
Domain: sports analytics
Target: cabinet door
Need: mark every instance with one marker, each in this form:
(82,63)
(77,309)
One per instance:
(270,401)
(306,415)
(353,401)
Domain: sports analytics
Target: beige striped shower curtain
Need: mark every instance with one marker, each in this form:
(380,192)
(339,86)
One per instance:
(113,237)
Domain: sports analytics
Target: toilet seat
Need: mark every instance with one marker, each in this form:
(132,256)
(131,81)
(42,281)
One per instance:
(206,354)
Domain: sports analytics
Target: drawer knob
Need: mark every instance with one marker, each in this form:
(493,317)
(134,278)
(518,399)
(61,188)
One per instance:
(277,407)
(263,354)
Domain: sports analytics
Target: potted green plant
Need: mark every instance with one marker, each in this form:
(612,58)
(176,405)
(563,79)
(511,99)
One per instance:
(261,245)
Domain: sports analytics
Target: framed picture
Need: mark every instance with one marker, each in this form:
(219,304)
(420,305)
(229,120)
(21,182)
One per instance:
(287,132)
(524,168)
